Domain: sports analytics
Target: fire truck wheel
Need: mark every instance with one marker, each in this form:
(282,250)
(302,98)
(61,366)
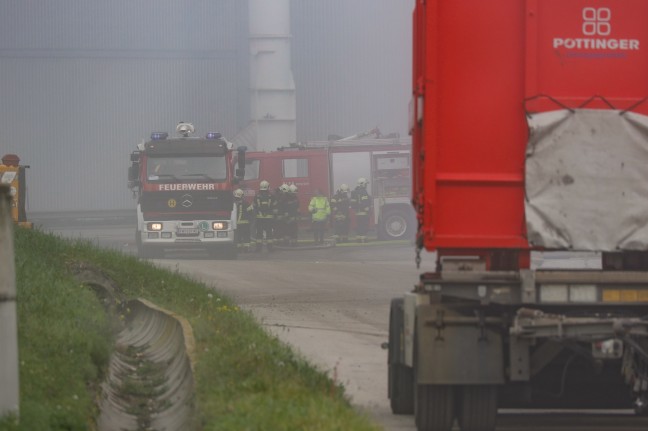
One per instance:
(400,377)
(478,408)
(396,224)
(146,252)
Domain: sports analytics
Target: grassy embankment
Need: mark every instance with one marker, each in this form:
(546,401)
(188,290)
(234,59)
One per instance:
(245,378)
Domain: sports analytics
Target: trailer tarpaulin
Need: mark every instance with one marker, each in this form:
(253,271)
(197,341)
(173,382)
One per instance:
(587,180)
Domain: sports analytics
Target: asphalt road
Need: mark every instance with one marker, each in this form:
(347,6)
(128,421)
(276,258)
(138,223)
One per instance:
(332,305)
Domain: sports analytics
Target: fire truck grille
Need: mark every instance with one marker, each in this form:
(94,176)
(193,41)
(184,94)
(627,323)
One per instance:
(174,203)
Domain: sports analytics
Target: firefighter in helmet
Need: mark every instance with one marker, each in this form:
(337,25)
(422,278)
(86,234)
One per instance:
(340,205)
(361,203)
(242,235)
(280,226)
(264,208)
(320,210)
(292,214)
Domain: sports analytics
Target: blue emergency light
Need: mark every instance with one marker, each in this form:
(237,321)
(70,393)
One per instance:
(214,135)
(158,136)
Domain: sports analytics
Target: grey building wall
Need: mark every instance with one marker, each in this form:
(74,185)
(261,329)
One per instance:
(352,66)
(82,82)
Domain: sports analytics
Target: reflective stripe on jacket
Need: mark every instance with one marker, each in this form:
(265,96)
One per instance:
(264,205)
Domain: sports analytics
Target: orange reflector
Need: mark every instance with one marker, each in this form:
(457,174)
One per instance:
(625,295)
(628,296)
(611,296)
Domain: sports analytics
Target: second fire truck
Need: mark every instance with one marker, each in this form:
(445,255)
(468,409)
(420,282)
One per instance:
(325,165)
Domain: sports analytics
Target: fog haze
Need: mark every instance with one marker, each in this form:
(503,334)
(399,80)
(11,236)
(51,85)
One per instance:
(81,83)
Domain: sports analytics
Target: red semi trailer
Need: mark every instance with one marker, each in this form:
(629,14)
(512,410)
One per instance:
(530,135)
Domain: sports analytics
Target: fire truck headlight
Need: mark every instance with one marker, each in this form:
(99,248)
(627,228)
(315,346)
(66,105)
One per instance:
(155,226)
(219,225)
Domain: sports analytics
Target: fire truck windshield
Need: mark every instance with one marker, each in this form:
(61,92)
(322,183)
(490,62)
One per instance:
(186,168)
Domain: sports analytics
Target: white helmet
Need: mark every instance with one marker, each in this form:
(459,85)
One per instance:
(284,187)
(362,182)
(264,185)
(344,188)
(238,193)
(292,188)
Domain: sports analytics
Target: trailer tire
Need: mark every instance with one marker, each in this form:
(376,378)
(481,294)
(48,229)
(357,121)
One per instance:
(400,377)
(478,408)
(434,405)
(396,224)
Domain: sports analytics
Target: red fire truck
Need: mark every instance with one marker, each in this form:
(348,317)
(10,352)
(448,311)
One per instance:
(530,141)
(325,165)
(183,187)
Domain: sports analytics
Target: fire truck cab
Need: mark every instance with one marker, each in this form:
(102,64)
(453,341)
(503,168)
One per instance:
(183,186)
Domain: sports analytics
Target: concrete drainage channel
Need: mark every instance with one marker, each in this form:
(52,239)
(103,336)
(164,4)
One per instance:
(149,384)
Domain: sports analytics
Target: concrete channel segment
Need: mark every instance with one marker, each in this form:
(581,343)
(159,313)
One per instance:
(150,378)
(150,383)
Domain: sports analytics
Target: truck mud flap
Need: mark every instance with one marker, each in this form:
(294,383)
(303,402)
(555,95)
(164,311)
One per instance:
(454,349)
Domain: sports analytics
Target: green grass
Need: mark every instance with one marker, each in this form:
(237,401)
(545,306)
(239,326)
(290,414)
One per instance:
(245,378)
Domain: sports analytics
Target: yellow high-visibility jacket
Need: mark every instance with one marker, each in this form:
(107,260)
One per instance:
(319,208)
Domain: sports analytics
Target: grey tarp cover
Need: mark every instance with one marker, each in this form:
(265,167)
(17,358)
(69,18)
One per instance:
(587,180)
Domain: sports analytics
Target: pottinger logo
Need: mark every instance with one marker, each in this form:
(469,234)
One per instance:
(596,21)
(597,24)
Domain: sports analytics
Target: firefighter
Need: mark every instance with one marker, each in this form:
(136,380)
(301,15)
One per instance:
(280,220)
(292,214)
(340,204)
(264,208)
(242,235)
(361,202)
(320,210)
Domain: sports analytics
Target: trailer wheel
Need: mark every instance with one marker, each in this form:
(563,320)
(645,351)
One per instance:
(478,408)
(400,377)
(396,224)
(435,407)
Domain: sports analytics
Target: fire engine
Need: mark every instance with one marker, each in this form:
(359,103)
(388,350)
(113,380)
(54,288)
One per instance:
(530,135)
(183,187)
(13,173)
(325,165)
